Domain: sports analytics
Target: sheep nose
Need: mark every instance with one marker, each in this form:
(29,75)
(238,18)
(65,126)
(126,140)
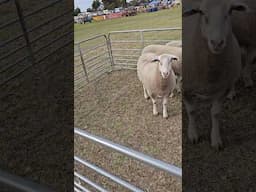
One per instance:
(165,74)
(217,44)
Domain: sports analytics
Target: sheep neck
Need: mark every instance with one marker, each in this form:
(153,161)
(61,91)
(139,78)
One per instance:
(162,82)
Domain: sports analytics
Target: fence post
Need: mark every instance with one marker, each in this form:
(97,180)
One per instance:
(82,60)
(24,29)
(142,39)
(36,71)
(110,51)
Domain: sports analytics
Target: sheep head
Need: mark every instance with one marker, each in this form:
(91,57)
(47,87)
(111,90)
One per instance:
(165,64)
(215,21)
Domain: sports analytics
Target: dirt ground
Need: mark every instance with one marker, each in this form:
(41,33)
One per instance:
(114,108)
(36,99)
(234,167)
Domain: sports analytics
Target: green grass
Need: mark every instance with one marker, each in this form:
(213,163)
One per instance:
(159,19)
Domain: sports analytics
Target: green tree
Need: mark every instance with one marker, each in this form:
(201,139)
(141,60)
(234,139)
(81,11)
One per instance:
(124,3)
(137,2)
(95,4)
(112,4)
(134,3)
(89,10)
(76,11)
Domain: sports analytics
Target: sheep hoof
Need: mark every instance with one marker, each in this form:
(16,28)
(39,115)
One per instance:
(165,116)
(249,84)
(146,97)
(194,139)
(217,145)
(155,113)
(231,95)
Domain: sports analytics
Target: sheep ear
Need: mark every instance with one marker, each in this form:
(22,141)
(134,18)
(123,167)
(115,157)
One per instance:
(155,58)
(190,12)
(175,58)
(238,6)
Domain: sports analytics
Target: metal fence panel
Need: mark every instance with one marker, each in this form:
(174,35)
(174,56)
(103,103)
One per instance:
(16,183)
(24,42)
(93,57)
(171,169)
(127,45)
(118,50)
(21,35)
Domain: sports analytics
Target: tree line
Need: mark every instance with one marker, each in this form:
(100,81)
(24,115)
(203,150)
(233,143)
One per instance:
(111,4)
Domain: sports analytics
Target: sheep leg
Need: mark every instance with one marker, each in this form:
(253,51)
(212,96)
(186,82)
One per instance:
(192,131)
(247,71)
(155,112)
(247,76)
(232,92)
(146,96)
(178,86)
(216,141)
(165,112)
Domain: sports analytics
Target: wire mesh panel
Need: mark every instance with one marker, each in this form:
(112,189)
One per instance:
(126,46)
(92,60)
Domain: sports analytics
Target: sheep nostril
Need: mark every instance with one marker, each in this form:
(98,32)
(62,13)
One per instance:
(221,43)
(212,42)
(165,74)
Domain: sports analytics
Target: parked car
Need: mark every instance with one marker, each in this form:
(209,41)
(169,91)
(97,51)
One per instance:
(130,11)
(175,3)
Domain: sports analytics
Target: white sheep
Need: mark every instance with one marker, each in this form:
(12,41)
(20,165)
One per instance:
(176,43)
(157,77)
(177,65)
(211,60)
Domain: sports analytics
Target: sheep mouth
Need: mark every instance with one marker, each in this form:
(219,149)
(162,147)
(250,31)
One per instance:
(216,50)
(165,76)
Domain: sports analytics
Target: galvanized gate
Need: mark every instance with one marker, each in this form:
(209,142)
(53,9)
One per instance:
(92,59)
(98,55)
(126,46)
(23,43)
(79,178)
(28,40)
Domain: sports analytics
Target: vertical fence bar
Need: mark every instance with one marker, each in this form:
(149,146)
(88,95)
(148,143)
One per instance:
(24,29)
(142,40)
(83,63)
(110,51)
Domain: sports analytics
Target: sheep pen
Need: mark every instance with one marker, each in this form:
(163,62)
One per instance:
(113,107)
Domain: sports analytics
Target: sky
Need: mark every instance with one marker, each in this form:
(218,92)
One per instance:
(84,4)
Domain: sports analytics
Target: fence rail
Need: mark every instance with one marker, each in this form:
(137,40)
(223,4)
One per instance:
(10,69)
(14,183)
(171,169)
(116,50)
(20,52)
